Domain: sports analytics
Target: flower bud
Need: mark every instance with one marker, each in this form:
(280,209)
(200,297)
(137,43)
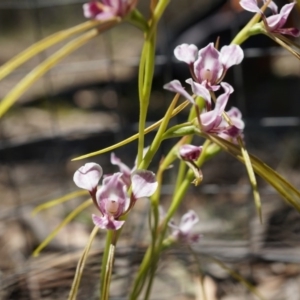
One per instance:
(190,152)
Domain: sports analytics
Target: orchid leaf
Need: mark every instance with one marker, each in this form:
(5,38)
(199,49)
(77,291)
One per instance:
(45,66)
(289,193)
(252,178)
(46,43)
(178,109)
(67,220)
(60,200)
(81,264)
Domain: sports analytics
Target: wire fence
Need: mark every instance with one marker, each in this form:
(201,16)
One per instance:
(35,163)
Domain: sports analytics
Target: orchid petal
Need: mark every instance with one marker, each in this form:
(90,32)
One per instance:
(223,99)
(112,190)
(231,55)
(107,222)
(189,152)
(199,90)
(88,176)
(188,221)
(175,86)
(186,53)
(277,21)
(124,169)
(144,183)
(250,5)
(272,5)
(208,65)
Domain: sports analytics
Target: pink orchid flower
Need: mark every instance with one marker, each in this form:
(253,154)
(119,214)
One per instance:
(275,22)
(183,232)
(112,198)
(189,152)
(107,9)
(208,65)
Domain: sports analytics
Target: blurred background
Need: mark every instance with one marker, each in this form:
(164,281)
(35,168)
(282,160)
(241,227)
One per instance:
(90,101)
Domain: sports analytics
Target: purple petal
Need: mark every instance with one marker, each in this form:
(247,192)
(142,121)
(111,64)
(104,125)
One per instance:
(88,176)
(189,152)
(144,183)
(277,21)
(175,86)
(234,112)
(112,196)
(90,10)
(124,169)
(210,120)
(289,31)
(272,5)
(186,53)
(208,66)
(107,222)
(105,15)
(250,5)
(231,55)
(223,99)
(188,221)
(199,90)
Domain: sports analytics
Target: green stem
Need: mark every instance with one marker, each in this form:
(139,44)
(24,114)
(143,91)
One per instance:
(145,82)
(109,238)
(137,19)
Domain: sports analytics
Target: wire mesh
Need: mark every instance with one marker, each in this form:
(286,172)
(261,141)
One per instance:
(35,163)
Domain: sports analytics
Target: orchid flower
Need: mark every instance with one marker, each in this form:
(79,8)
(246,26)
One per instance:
(112,198)
(124,169)
(211,120)
(189,154)
(107,9)
(208,66)
(231,132)
(275,22)
(183,232)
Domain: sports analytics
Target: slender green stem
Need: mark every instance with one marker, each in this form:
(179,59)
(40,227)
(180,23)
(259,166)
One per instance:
(158,137)
(109,238)
(145,82)
(48,42)
(138,20)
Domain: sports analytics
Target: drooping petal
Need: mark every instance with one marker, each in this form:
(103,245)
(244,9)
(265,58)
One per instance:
(107,222)
(199,90)
(186,53)
(223,99)
(231,55)
(212,119)
(208,66)
(175,86)
(250,5)
(189,152)
(124,169)
(88,176)
(277,21)
(272,5)
(144,183)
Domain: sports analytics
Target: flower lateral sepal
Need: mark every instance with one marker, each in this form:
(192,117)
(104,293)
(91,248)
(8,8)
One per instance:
(107,222)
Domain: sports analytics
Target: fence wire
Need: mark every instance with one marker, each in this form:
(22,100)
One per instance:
(48,173)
